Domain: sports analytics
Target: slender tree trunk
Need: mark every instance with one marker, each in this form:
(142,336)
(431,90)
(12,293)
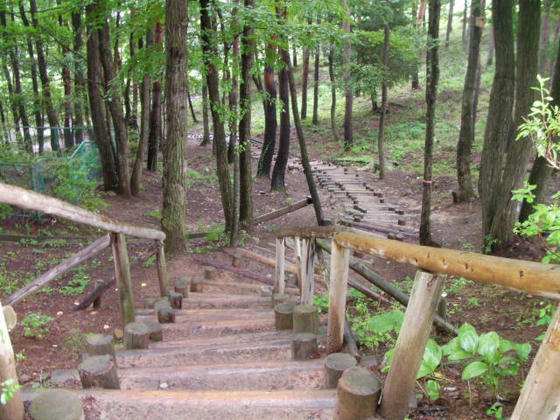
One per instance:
(449,22)
(467,130)
(136,177)
(154,139)
(246,176)
(315,119)
(79,79)
(191,107)
(415,84)
(294,53)
(209,51)
(205,120)
(333,95)
(116,109)
(464,34)
(490,56)
(544,37)
(94,81)
(271,124)
(45,82)
(233,154)
(432,76)
(13,105)
(67,84)
(305,80)
(348,135)
(176,91)
(277,182)
(381,135)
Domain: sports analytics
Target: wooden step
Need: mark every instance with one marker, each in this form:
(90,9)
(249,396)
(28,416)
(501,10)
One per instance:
(226,301)
(207,405)
(202,314)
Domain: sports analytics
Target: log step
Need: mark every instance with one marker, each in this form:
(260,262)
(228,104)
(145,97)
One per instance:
(226,301)
(205,405)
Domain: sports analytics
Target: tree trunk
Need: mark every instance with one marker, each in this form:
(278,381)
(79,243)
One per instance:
(315,119)
(116,109)
(136,177)
(13,106)
(415,84)
(464,35)
(246,176)
(333,95)
(294,53)
(381,135)
(544,37)
(500,108)
(234,109)
(467,130)
(432,76)
(304,80)
(449,22)
(205,121)
(270,122)
(490,56)
(45,82)
(348,135)
(209,51)
(176,91)
(154,140)
(79,79)
(67,84)
(97,107)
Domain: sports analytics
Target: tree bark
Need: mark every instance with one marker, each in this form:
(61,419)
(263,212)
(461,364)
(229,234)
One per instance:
(209,51)
(67,84)
(467,130)
(176,91)
(271,124)
(154,140)
(449,22)
(45,81)
(246,176)
(500,120)
(464,34)
(381,134)
(79,79)
(544,37)
(490,56)
(432,76)
(333,95)
(205,121)
(102,137)
(315,119)
(347,57)
(305,80)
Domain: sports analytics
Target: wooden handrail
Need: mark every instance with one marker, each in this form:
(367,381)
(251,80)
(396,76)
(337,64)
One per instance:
(527,276)
(30,200)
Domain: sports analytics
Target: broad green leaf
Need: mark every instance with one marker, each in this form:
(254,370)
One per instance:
(451,347)
(433,389)
(468,339)
(488,345)
(474,369)
(459,355)
(523,350)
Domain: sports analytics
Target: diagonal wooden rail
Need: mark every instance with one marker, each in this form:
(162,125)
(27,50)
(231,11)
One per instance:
(540,398)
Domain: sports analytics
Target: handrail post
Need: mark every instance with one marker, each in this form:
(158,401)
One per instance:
(280,275)
(13,410)
(540,397)
(411,344)
(340,258)
(162,270)
(307,270)
(122,274)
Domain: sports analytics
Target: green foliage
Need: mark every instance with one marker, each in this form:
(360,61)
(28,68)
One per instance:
(321,303)
(155,213)
(373,330)
(35,325)
(77,285)
(149,261)
(198,178)
(75,342)
(496,410)
(9,388)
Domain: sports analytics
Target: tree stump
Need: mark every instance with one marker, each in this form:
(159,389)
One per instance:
(155,332)
(99,344)
(236,259)
(56,404)
(136,336)
(183,286)
(197,285)
(210,273)
(335,365)
(166,315)
(176,300)
(283,316)
(357,394)
(99,371)
(306,319)
(304,346)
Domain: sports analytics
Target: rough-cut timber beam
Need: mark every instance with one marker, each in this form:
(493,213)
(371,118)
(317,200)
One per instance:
(285,210)
(530,277)
(325,232)
(76,259)
(30,200)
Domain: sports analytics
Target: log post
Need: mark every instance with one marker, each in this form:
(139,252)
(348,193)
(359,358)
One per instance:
(136,336)
(304,346)
(307,271)
(411,343)
(176,300)
(283,316)
(122,274)
(279,274)
(340,258)
(540,397)
(197,285)
(13,410)
(305,319)
(335,365)
(210,273)
(162,269)
(99,371)
(183,286)
(56,404)
(155,330)
(99,344)
(357,394)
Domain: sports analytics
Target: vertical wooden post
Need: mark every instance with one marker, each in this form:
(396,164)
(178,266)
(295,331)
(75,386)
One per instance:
(540,397)
(340,257)
(280,275)
(13,410)
(307,271)
(122,274)
(410,346)
(297,243)
(162,270)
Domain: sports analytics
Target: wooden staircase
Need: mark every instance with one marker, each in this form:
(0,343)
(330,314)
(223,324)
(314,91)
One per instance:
(221,359)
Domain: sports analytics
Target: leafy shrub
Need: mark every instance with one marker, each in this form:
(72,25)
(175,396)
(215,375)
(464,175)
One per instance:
(35,325)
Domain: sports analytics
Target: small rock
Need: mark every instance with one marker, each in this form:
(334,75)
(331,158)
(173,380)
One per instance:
(163,385)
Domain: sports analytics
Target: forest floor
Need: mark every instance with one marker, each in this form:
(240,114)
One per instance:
(58,343)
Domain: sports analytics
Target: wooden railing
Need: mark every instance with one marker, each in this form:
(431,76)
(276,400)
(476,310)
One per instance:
(540,397)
